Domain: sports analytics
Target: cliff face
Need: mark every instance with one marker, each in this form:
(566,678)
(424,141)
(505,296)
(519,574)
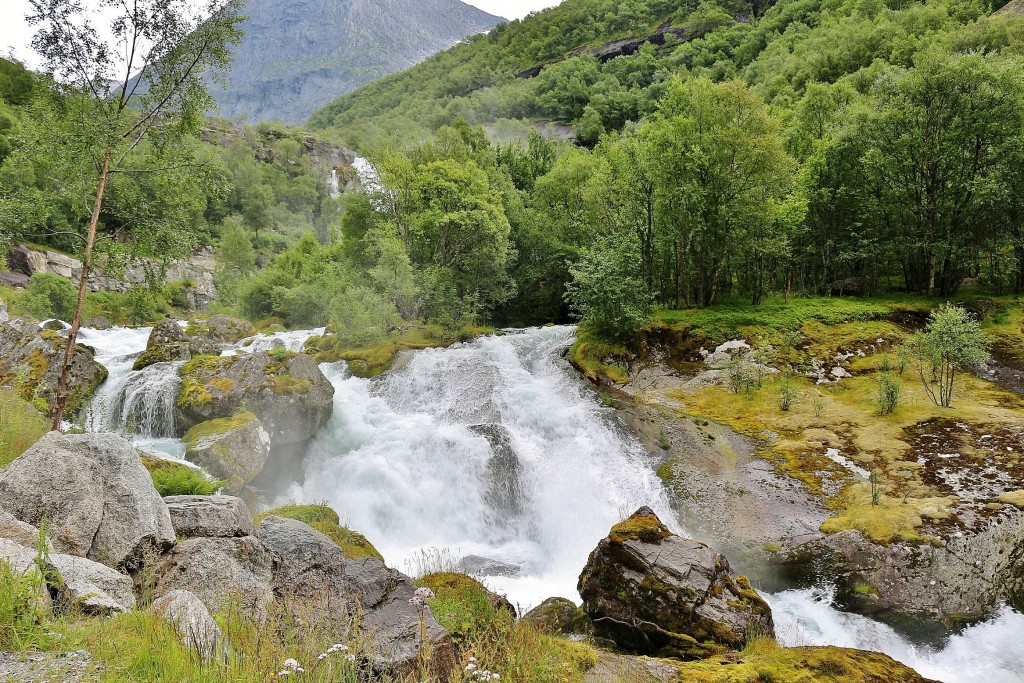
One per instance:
(299,55)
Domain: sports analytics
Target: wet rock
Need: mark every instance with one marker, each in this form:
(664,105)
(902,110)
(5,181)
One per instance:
(169,342)
(221,571)
(97,323)
(31,359)
(222,329)
(652,592)
(286,391)
(234,449)
(210,516)
(559,616)
(95,494)
(314,572)
(91,587)
(191,621)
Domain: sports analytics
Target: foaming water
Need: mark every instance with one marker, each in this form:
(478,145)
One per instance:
(493,450)
(988,652)
(293,340)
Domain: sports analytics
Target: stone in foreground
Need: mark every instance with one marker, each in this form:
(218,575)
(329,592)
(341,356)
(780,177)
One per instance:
(95,494)
(210,516)
(652,592)
(191,621)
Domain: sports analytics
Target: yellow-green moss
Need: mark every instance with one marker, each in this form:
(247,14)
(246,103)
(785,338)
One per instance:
(667,470)
(644,528)
(325,520)
(222,383)
(1013,498)
(286,384)
(601,361)
(21,425)
(217,427)
(175,479)
(462,604)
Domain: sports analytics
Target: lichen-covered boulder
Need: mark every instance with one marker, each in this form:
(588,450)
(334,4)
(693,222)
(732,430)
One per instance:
(559,616)
(286,391)
(210,516)
(191,621)
(222,329)
(221,572)
(31,360)
(90,586)
(169,342)
(652,592)
(233,449)
(95,494)
(315,574)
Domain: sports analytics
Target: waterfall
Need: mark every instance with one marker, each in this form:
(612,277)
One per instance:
(494,450)
(335,190)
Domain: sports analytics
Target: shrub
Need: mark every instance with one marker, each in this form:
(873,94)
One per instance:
(890,388)
(789,392)
(51,296)
(952,342)
(175,479)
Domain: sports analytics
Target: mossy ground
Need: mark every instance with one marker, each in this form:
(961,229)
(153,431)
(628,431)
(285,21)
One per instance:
(21,425)
(601,361)
(913,503)
(325,520)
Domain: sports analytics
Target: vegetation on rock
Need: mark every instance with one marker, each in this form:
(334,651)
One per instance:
(325,520)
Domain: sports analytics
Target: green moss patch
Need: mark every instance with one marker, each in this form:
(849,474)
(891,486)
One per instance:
(644,528)
(217,427)
(463,605)
(325,520)
(174,479)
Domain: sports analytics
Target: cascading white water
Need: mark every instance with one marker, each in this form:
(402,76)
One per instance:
(493,450)
(293,340)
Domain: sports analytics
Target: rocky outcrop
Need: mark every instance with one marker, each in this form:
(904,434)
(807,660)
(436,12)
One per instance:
(16,280)
(286,391)
(234,449)
(169,342)
(31,359)
(559,616)
(90,586)
(652,592)
(315,574)
(210,516)
(222,329)
(95,494)
(190,619)
(221,571)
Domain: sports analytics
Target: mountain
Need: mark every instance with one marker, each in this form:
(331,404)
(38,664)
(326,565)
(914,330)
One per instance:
(298,55)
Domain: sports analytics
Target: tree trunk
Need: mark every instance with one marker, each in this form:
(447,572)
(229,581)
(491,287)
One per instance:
(69,355)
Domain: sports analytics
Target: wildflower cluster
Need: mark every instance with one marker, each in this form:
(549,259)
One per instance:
(474,673)
(291,666)
(337,647)
(419,599)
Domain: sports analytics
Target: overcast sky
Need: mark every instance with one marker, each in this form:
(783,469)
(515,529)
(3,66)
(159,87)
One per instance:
(15,34)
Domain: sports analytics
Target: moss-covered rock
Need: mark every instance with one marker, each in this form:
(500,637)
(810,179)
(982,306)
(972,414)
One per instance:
(559,616)
(233,448)
(31,360)
(463,604)
(325,520)
(222,329)
(176,479)
(168,342)
(652,592)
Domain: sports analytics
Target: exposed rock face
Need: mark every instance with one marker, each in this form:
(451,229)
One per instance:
(191,621)
(13,279)
(18,531)
(95,494)
(220,570)
(558,616)
(315,571)
(653,592)
(233,449)
(210,516)
(31,359)
(286,391)
(92,587)
(26,261)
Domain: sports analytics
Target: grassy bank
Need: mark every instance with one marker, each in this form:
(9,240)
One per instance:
(21,425)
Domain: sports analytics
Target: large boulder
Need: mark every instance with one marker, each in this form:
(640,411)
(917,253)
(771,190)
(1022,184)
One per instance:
(169,342)
(31,359)
(210,516)
(95,494)
(98,322)
(222,329)
(221,572)
(286,391)
(16,280)
(559,616)
(233,448)
(190,619)
(91,587)
(652,592)
(26,261)
(315,574)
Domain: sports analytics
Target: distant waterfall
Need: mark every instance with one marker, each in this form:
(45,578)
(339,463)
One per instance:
(335,190)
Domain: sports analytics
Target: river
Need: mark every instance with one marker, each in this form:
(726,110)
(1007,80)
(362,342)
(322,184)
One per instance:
(494,456)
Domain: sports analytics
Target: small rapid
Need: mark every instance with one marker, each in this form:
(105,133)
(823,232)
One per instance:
(493,450)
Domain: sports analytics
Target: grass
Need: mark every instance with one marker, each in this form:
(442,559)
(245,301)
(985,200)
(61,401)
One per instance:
(601,361)
(175,479)
(21,425)
(325,520)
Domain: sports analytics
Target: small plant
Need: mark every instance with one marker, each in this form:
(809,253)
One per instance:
(737,376)
(279,353)
(890,388)
(819,405)
(789,392)
(875,493)
(664,441)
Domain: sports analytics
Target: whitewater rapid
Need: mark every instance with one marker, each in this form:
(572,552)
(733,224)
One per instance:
(494,455)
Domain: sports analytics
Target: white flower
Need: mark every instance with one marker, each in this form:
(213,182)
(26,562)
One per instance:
(470,666)
(472,659)
(424,593)
(350,658)
(291,664)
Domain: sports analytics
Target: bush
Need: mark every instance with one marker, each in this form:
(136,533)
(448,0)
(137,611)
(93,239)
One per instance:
(175,479)
(890,388)
(952,342)
(606,292)
(51,296)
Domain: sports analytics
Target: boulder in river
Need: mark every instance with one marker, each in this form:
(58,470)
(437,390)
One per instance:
(210,516)
(169,342)
(233,448)
(653,592)
(222,329)
(31,359)
(315,575)
(95,494)
(286,391)
(559,616)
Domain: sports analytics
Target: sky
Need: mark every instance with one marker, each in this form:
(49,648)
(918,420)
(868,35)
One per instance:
(16,35)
